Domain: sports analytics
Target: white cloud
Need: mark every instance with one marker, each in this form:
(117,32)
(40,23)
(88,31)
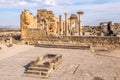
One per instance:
(60,2)
(47,2)
(51,2)
(32,3)
(94,11)
(16,3)
(24,3)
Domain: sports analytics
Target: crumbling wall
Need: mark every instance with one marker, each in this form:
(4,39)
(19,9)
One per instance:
(116,28)
(46,27)
(0,40)
(109,42)
(36,33)
(28,21)
(46,21)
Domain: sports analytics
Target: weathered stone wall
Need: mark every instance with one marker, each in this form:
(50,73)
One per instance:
(28,21)
(47,28)
(46,21)
(116,28)
(109,42)
(94,29)
(0,40)
(36,33)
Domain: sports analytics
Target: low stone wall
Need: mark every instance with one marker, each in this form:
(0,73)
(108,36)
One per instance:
(1,40)
(110,42)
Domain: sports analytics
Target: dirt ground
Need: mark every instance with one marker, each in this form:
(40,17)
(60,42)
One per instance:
(77,64)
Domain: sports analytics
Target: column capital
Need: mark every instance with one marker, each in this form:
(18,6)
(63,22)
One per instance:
(66,13)
(80,12)
(60,15)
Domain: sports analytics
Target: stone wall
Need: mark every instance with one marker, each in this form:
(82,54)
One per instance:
(109,42)
(0,40)
(46,21)
(94,30)
(28,21)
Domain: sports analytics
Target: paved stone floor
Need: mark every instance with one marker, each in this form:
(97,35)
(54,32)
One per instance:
(77,65)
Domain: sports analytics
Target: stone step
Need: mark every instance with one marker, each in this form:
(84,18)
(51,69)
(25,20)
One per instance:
(35,73)
(46,68)
(38,69)
(32,72)
(37,76)
(63,46)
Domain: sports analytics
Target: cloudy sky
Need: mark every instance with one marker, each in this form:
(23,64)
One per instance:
(95,11)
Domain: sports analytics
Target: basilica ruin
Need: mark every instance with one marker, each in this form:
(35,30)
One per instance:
(46,22)
(46,28)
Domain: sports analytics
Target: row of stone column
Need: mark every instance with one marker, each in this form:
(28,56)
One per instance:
(66,32)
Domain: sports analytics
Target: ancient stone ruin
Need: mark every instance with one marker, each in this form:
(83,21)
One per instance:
(108,31)
(44,66)
(28,21)
(46,28)
(46,22)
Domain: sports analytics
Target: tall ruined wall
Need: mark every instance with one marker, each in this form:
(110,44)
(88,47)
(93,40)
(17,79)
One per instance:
(28,21)
(46,21)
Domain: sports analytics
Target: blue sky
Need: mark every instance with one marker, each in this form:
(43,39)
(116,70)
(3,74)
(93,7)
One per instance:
(95,11)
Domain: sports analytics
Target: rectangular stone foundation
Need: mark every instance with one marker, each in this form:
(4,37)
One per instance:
(44,66)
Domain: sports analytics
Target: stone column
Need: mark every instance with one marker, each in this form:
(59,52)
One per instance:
(76,25)
(80,22)
(66,24)
(63,27)
(70,27)
(60,25)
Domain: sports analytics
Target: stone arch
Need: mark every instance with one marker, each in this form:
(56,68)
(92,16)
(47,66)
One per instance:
(43,24)
(73,23)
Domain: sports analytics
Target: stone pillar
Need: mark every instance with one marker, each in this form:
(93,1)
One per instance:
(76,25)
(60,25)
(66,24)
(63,27)
(70,27)
(80,22)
